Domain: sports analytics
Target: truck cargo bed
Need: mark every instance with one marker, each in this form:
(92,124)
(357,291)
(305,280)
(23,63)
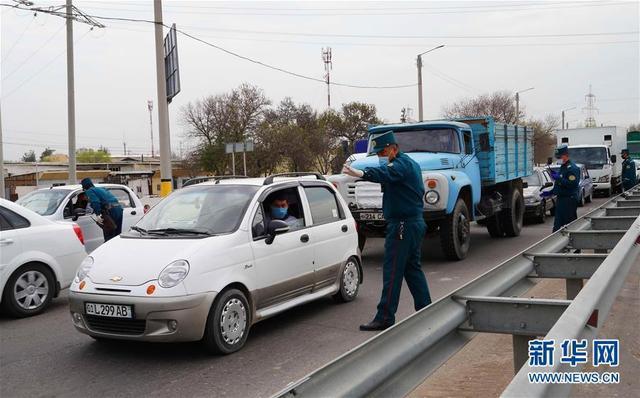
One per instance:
(505,151)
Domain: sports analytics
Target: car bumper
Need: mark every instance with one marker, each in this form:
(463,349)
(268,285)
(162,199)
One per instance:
(601,186)
(531,208)
(152,319)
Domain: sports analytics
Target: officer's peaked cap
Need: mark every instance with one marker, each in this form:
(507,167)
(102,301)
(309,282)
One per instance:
(379,141)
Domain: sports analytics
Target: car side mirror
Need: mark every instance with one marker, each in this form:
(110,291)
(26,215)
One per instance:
(77,213)
(275,227)
(525,184)
(549,161)
(614,158)
(547,184)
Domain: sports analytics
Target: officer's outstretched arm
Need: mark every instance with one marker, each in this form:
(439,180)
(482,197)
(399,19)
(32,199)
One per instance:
(94,200)
(393,172)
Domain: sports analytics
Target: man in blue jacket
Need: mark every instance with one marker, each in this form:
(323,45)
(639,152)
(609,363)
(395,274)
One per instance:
(628,171)
(104,203)
(402,206)
(566,188)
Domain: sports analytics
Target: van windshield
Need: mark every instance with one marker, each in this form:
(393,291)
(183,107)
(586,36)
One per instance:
(198,210)
(592,158)
(427,140)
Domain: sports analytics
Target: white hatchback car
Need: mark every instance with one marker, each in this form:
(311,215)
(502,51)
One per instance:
(38,258)
(207,262)
(58,204)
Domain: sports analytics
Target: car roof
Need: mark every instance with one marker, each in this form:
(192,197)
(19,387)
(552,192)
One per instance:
(260,181)
(74,187)
(587,146)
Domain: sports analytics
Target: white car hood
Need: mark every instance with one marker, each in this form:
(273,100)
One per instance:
(531,192)
(138,260)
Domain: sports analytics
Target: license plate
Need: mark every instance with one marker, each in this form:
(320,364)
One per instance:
(109,310)
(372,216)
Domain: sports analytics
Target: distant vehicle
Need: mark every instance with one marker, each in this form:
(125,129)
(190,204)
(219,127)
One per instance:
(38,258)
(597,148)
(60,203)
(208,261)
(536,206)
(586,184)
(633,145)
(467,176)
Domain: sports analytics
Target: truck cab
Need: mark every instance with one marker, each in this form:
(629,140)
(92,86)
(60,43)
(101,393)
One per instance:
(459,169)
(600,163)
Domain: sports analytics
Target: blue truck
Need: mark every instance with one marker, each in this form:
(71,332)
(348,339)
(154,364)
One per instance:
(472,170)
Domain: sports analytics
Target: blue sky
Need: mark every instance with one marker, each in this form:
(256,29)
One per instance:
(488,46)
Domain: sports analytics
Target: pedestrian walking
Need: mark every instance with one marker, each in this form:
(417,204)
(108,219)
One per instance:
(402,206)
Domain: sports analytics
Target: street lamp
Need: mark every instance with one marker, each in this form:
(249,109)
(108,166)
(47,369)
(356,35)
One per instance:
(518,102)
(563,126)
(419,63)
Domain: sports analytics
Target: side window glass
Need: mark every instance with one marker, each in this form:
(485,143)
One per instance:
(4,224)
(323,204)
(122,196)
(14,219)
(468,147)
(258,228)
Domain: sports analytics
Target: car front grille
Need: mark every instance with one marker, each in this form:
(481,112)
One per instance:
(116,325)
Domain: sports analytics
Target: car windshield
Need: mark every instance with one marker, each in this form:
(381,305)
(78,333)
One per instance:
(44,202)
(198,210)
(592,158)
(533,180)
(428,140)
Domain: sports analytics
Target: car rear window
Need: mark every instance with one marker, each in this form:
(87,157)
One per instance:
(13,219)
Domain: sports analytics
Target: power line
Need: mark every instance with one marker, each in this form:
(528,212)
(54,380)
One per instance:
(6,56)
(33,53)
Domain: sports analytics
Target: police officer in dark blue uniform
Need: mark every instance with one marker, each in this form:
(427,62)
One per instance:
(628,171)
(566,188)
(402,206)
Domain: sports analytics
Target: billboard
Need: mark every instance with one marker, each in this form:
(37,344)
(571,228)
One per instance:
(171,70)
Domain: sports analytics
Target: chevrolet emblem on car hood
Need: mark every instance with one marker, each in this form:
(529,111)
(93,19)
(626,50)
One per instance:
(116,278)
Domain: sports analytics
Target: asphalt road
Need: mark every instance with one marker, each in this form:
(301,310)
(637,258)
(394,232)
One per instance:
(45,356)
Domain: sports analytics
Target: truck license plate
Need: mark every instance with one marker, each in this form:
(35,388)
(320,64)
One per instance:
(372,216)
(109,310)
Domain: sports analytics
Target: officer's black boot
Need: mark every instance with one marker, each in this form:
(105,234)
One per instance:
(375,325)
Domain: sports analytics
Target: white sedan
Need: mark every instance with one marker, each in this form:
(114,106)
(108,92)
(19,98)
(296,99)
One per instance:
(38,258)
(59,203)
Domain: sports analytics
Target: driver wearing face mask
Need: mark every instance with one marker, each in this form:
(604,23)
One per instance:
(280,211)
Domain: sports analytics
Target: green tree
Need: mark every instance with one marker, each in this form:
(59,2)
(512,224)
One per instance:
(46,153)
(89,155)
(29,156)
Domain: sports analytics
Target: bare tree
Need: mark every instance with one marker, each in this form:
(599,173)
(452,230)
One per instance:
(634,127)
(500,105)
(544,139)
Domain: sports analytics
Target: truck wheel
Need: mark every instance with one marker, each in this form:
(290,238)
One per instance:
(455,232)
(511,219)
(362,239)
(494,227)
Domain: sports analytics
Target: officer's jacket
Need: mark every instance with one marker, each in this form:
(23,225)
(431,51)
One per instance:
(629,171)
(402,187)
(99,198)
(568,181)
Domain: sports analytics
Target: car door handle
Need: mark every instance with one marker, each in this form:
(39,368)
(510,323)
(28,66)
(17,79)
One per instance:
(345,228)
(5,242)
(133,213)
(304,238)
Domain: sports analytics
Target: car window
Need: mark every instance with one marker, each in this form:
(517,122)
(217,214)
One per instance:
(4,224)
(546,176)
(533,180)
(289,197)
(44,202)
(13,219)
(79,200)
(123,197)
(258,228)
(323,204)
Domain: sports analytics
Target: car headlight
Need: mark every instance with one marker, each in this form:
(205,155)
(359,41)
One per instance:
(603,179)
(432,197)
(84,268)
(173,273)
(530,199)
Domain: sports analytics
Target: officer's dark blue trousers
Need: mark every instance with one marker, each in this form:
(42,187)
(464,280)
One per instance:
(566,212)
(116,214)
(628,185)
(402,247)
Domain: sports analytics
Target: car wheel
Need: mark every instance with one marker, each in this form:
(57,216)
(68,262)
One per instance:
(581,200)
(349,282)
(541,212)
(28,291)
(589,198)
(552,210)
(228,323)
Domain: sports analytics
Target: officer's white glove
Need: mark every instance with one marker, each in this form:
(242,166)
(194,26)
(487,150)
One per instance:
(350,171)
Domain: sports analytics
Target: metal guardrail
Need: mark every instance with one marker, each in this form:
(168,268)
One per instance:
(397,360)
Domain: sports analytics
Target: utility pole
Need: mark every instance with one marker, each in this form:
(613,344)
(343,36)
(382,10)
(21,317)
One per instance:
(71,97)
(518,102)
(563,125)
(150,106)
(419,64)
(328,66)
(163,107)
(2,193)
